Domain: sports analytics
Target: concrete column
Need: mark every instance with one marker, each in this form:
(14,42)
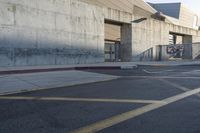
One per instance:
(187,39)
(126,43)
(187,53)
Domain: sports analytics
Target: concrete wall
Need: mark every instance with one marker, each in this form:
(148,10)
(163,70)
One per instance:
(147,35)
(46,32)
(50,32)
(187,17)
(196,38)
(122,5)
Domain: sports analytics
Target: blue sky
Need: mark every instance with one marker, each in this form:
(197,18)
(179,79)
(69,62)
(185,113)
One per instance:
(192,4)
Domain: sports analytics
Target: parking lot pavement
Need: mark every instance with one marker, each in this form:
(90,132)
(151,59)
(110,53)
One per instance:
(179,117)
(146,100)
(25,116)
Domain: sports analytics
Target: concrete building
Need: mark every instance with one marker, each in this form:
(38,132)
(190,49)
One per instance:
(179,14)
(56,32)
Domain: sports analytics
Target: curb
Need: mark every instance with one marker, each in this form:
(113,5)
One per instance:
(123,67)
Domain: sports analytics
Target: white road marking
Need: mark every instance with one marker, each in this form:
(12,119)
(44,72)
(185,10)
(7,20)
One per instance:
(78,99)
(132,114)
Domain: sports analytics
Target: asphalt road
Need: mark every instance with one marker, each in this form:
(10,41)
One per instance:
(144,100)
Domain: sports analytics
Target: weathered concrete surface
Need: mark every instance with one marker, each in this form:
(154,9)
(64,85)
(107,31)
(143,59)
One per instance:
(34,32)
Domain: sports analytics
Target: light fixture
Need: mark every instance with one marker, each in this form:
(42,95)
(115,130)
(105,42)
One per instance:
(139,20)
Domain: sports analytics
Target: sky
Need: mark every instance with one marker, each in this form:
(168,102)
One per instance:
(191,4)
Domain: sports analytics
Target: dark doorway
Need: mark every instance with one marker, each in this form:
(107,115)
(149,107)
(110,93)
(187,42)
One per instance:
(112,51)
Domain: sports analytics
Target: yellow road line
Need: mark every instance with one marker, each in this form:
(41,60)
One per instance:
(79,99)
(132,114)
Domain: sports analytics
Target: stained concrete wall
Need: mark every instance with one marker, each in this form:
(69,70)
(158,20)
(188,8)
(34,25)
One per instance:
(46,32)
(43,32)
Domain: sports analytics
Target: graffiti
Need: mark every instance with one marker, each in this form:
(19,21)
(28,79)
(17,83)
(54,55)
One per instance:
(176,50)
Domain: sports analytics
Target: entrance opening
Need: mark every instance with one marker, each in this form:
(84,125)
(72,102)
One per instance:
(112,42)
(112,49)
(175,38)
(118,41)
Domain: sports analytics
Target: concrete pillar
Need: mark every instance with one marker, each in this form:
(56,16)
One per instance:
(126,43)
(187,53)
(187,39)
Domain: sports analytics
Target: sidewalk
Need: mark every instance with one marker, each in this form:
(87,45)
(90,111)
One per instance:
(29,78)
(15,83)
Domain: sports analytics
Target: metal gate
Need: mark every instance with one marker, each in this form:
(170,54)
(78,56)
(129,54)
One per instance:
(112,51)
